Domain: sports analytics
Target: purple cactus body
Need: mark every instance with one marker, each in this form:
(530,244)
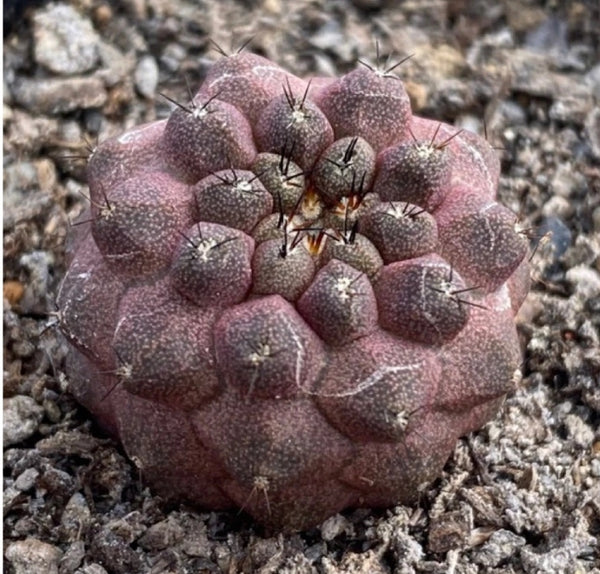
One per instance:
(293,296)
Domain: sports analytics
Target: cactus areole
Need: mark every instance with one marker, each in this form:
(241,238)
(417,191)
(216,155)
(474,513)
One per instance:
(292,296)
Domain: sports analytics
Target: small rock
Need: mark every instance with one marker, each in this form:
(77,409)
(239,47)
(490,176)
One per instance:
(522,16)
(452,96)
(351,563)
(18,179)
(38,264)
(596,219)
(59,95)
(26,134)
(146,76)
(578,431)
(103,14)
(26,479)
(52,410)
(93,120)
(566,180)
(334,526)
(65,43)
(73,557)
(13,290)
(56,482)
(558,558)
(592,79)
(501,545)
(558,206)
(22,177)
(172,56)
(116,65)
(511,114)
(195,542)
(331,36)
(10,498)
(22,417)
(92,569)
(162,535)
(75,518)
(115,553)
(32,556)
(549,36)
(68,443)
(560,236)
(22,180)
(23,349)
(533,74)
(571,109)
(592,131)
(450,530)
(585,280)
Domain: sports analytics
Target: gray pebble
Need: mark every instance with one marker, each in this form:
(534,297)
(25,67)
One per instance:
(571,108)
(39,264)
(18,179)
(26,135)
(10,497)
(146,76)
(558,206)
(566,180)
(92,569)
(596,219)
(500,546)
(334,526)
(585,281)
(65,43)
(117,66)
(533,74)
(93,120)
(52,410)
(59,95)
(73,557)
(163,534)
(23,349)
(172,56)
(26,479)
(32,556)
(555,559)
(75,518)
(549,36)
(592,131)
(560,235)
(331,36)
(512,112)
(195,542)
(592,79)
(70,131)
(22,417)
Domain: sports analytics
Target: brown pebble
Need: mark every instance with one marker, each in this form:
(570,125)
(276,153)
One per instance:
(103,15)
(13,291)
(418,94)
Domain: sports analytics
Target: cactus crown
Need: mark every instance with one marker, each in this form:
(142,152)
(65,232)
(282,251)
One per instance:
(293,284)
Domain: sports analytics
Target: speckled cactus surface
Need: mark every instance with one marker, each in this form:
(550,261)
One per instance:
(293,296)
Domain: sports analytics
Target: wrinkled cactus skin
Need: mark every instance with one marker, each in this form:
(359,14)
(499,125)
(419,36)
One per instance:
(293,297)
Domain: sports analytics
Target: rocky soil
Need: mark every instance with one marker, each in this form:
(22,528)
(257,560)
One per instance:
(520,496)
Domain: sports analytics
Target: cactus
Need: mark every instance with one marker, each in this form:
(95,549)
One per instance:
(293,297)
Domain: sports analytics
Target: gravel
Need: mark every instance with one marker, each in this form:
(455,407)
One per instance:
(520,496)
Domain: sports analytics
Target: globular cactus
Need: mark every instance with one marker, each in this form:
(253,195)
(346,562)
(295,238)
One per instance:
(293,296)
